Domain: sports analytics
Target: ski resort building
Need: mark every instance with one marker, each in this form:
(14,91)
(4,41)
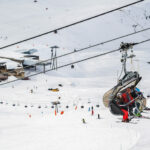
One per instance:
(10,68)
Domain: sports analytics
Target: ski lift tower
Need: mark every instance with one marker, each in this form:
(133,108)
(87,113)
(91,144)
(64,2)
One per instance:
(53,64)
(56,103)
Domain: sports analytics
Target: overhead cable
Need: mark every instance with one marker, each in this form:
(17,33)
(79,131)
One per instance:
(96,56)
(72,24)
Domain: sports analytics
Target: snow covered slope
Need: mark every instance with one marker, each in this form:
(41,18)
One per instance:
(32,127)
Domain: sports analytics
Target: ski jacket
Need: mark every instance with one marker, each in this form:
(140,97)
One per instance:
(127,98)
(134,93)
(121,104)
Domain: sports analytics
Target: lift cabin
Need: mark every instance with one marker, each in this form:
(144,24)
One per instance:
(130,79)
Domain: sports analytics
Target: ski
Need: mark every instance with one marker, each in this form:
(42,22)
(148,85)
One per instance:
(130,122)
(147,109)
(144,117)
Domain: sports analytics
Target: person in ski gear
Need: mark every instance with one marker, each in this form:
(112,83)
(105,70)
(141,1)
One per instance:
(124,109)
(92,108)
(140,102)
(127,104)
(142,99)
(127,98)
(136,94)
(123,104)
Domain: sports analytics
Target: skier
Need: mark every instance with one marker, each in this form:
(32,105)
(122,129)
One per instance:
(140,103)
(128,98)
(92,108)
(135,92)
(123,105)
(126,104)
(124,109)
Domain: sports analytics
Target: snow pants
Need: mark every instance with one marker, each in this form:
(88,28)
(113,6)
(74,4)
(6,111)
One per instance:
(125,114)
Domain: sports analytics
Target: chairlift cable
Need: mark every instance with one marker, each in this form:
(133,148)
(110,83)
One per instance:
(72,24)
(85,48)
(134,44)
(95,45)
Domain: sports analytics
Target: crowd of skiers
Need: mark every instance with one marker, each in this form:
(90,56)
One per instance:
(131,103)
